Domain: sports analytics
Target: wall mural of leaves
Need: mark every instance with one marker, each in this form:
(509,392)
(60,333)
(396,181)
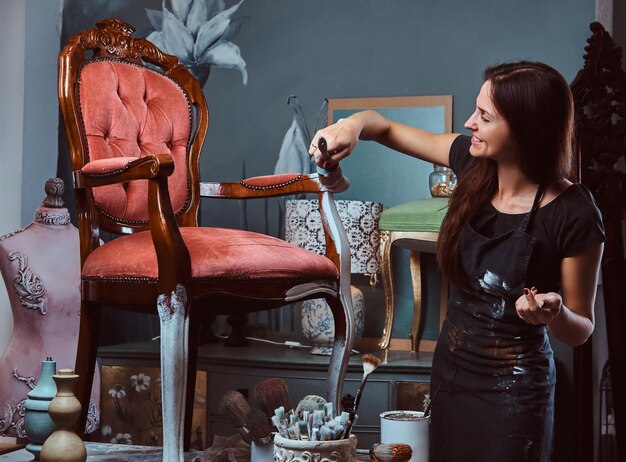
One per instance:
(199,32)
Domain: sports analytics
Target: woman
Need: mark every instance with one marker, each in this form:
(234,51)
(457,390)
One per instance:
(521,246)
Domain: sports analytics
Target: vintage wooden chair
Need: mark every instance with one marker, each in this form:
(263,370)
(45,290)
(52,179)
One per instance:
(135,137)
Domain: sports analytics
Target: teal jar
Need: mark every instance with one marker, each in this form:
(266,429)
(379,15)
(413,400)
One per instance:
(37,421)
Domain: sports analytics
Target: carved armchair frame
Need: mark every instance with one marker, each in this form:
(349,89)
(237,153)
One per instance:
(175,294)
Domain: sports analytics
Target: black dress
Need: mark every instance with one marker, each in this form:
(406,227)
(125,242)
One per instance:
(493,374)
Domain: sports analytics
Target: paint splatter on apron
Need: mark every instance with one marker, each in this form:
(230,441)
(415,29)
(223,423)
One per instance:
(493,374)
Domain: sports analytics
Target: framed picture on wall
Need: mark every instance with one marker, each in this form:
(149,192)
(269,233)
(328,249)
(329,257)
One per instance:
(379,174)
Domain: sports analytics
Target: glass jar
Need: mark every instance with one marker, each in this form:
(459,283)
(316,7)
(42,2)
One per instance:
(442,181)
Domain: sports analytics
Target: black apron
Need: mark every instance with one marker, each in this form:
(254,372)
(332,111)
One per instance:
(493,374)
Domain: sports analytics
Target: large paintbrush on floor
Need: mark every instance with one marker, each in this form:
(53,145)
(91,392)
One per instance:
(391,452)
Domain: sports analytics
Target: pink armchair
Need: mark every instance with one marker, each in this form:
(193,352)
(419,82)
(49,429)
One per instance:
(135,137)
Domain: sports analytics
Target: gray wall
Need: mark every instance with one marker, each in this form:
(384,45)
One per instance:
(361,48)
(41,113)
(354,48)
(12,25)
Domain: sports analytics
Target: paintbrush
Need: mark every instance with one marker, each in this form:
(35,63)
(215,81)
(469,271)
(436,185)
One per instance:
(431,400)
(259,428)
(235,408)
(370,362)
(271,394)
(391,452)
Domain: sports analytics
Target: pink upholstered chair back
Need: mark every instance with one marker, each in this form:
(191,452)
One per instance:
(129,111)
(117,109)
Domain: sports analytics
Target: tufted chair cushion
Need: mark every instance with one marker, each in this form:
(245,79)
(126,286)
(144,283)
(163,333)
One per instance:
(130,111)
(217,254)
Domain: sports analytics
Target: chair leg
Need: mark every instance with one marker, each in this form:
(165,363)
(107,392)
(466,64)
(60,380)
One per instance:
(343,315)
(194,340)
(387,277)
(415,260)
(85,365)
(173,309)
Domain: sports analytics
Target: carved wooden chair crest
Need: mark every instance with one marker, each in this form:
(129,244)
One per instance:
(135,136)
(599,91)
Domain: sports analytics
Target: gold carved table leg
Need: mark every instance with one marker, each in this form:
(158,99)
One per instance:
(387,279)
(418,243)
(416,277)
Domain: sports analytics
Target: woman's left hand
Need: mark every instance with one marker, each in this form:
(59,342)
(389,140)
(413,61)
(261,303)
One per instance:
(537,308)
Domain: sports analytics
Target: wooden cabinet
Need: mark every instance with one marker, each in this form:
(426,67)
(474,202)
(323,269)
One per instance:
(398,384)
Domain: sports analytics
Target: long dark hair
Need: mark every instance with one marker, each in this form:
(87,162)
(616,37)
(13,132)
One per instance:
(537,104)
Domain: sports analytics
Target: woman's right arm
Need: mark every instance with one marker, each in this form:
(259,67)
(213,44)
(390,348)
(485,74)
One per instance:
(341,138)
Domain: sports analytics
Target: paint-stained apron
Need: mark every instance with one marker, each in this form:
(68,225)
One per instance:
(493,374)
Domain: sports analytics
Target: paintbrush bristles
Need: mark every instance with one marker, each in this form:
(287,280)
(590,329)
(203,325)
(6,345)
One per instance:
(235,408)
(391,452)
(370,362)
(256,422)
(271,394)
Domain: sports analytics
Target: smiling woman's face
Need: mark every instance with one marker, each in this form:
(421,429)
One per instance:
(491,136)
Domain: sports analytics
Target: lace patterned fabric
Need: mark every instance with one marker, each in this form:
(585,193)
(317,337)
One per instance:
(303,227)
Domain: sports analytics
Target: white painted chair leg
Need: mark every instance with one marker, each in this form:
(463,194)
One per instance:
(342,346)
(342,310)
(172,310)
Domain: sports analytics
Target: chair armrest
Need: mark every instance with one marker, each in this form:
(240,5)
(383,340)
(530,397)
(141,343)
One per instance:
(110,171)
(275,185)
(337,249)
(173,257)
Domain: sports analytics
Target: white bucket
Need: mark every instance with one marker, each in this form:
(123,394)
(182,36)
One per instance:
(406,427)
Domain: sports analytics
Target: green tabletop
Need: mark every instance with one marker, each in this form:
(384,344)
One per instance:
(423,215)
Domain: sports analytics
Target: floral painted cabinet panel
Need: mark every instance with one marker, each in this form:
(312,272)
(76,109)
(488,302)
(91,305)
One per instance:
(131,407)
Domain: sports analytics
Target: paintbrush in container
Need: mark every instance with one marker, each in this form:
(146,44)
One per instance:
(391,452)
(259,428)
(308,403)
(235,408)
(271,394)
(370,362)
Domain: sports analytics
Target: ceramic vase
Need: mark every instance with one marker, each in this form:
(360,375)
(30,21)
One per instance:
(286,450)
(318,325)
(37,422)
(64,445)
